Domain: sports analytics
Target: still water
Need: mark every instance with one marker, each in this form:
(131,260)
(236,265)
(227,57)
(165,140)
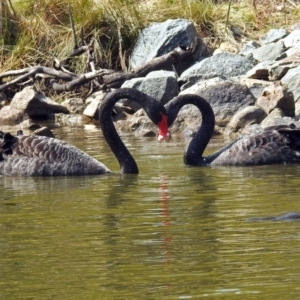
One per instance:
(171,232)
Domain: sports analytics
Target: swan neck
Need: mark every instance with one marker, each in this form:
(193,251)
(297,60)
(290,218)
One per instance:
(124,157)
(194,152)
(154,110)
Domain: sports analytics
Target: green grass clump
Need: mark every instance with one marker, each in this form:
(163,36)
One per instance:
(33,32)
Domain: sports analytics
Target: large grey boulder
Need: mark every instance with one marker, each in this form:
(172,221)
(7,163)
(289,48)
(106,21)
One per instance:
(160,38)
(226,98)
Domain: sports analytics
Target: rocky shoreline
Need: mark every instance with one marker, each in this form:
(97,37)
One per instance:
(248,91)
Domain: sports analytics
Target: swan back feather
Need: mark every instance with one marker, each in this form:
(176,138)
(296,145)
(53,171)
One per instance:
(276,144)
(43,156)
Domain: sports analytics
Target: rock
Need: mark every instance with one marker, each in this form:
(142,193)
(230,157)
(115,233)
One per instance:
(252,129)
(249,47)
(293,39)
(93,102)
(119,108)
(189,88)
(274,35)
(160,38)
(72,120)
(226,98)
(44,131)
(276,96)
(295,50)
(223,64)
(260,71)
(256,86)
(140,124)
(160,85)
(35,103)
(29,104)
(225,47)
(29,124)
(297,108)
(295,26)
(276,117)
(11,116)
(281,67)
(252,60)
(74,105)
(291,80)
(269,52)
(246,116)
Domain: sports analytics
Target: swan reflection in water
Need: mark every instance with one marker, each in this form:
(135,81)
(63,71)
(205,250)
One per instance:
(166,216)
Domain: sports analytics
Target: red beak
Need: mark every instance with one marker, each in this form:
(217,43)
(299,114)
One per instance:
(164,133)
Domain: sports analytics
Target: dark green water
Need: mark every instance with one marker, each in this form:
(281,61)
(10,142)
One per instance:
(171,232)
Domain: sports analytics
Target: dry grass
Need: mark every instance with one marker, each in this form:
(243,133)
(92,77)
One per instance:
(35,31)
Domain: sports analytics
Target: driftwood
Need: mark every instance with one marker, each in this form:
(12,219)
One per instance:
(101,79)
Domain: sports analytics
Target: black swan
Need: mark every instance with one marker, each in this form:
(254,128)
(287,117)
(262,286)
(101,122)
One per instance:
(43,156)
(274,145)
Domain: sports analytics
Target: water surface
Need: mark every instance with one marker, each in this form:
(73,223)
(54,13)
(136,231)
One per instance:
(171,232)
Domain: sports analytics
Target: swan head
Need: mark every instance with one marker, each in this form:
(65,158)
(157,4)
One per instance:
(163,134)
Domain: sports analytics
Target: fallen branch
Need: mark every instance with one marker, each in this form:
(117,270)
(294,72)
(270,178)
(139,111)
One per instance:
(26,73)
(104,78)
